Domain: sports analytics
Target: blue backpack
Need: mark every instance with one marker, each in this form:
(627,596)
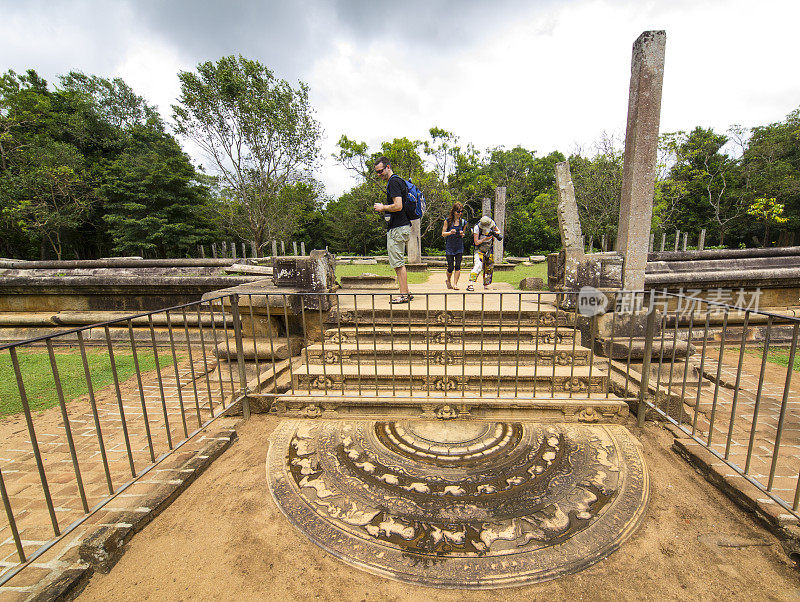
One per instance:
(414,206)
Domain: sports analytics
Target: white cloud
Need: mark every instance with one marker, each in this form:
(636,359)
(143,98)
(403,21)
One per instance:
(543,75)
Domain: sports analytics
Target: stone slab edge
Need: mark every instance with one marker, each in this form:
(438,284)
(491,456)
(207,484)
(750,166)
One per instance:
(102,548)
(741,491)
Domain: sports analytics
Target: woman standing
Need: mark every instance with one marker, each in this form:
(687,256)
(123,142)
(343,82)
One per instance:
(453,232)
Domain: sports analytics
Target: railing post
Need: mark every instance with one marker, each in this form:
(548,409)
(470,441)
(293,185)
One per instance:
(237,333)
(648,351)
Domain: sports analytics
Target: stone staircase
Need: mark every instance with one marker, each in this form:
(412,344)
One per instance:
(472,362)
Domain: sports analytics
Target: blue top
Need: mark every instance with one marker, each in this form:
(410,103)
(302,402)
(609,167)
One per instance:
(454,244)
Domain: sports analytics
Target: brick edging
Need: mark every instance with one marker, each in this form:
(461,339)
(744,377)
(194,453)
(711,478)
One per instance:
(102,548)
(742,492)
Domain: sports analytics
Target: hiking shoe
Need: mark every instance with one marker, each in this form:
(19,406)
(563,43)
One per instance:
(401,299)
(470,288)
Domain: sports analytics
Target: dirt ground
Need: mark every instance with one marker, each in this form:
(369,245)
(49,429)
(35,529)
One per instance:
(224,539)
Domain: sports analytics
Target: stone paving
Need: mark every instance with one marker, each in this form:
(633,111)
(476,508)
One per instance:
(787,466)
(183,408)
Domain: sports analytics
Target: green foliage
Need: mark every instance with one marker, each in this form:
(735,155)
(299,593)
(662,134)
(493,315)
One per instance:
(769,212)
(598,188)
(351,225)
(86,168)
(704,185)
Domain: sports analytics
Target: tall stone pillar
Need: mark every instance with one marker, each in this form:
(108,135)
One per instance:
(641,145)
(415,243)
(500,220)
(487,208)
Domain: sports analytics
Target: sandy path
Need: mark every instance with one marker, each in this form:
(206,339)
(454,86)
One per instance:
(225,539)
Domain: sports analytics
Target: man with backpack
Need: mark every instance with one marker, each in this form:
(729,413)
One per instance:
(398,224)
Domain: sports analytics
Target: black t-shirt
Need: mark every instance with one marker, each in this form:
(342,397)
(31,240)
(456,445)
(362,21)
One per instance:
(397,187)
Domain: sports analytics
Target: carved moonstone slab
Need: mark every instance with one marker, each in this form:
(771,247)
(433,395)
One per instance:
(460,504)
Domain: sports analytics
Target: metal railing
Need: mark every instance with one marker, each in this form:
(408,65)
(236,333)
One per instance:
(450,345)
(732,391)
(143,385)
(186,366)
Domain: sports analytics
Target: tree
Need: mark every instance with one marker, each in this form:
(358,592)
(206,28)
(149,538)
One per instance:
(771,164)
(153,201)
(351,225)
(258,130)
(598,188)
(769,212)
(704,184)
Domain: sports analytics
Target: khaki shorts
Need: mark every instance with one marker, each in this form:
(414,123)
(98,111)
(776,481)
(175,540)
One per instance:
(396,240)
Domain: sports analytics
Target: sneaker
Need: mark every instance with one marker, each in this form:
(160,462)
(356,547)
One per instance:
(401,299)
(470,288)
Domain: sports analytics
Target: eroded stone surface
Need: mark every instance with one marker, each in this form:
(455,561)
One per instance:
(465,505)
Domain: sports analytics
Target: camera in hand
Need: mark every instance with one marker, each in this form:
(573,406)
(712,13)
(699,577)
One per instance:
(497,235)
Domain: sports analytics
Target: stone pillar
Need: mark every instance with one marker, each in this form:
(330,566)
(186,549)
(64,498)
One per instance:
(302,248)
(214,250)
(487,208)
(568,221)
(641,145)
(415,243)
(253,248)
(500,220)
(294,248)
(702,242)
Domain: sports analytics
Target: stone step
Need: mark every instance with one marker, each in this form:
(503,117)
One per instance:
(472,379)
(402,314)
(452,334)
(526,353)
(597,407)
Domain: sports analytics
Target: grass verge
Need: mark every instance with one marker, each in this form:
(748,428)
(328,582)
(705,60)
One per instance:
(776,355)
(381,269)
(37,375)
(515,276)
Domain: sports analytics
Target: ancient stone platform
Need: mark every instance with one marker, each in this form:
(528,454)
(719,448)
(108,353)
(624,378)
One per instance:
(460,504)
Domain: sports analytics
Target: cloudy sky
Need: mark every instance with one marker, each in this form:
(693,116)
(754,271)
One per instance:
(544,74)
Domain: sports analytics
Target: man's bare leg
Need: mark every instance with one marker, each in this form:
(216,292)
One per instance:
(402,279)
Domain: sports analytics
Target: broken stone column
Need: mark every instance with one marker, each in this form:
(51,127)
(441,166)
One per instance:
(568,221)
(570,227)
(500,220)
(641,145)
(415,243)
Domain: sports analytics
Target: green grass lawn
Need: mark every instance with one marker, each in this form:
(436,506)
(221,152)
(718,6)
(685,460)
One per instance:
(515,276)
(381,269)
(776,355)
(37,375)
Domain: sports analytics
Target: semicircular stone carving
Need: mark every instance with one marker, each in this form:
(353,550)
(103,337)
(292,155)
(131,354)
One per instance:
(460,504)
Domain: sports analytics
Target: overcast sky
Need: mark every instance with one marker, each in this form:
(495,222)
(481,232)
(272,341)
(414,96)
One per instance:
(544,74)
